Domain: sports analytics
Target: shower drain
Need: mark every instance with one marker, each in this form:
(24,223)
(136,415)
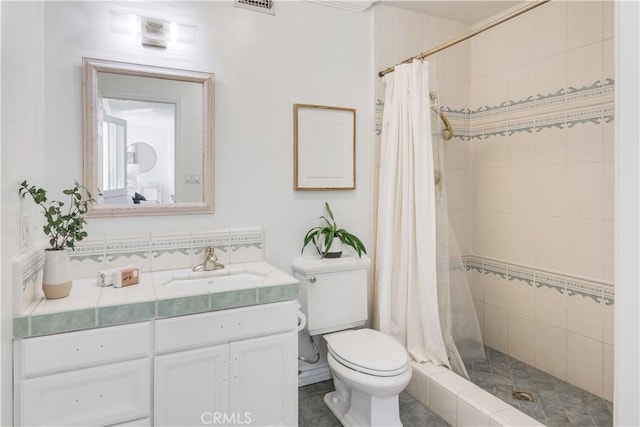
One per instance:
(524,396)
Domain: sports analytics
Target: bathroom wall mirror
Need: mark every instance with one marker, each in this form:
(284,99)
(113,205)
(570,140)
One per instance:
(148,139)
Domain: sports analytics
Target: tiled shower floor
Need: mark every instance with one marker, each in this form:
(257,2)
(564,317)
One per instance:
(556,403)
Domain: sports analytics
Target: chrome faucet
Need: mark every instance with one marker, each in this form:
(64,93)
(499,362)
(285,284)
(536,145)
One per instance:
(210,261)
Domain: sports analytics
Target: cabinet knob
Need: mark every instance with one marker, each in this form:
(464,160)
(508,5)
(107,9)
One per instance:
(312,279)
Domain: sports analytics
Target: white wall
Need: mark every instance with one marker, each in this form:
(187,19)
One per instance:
(306,53)
(263,65)
(22,154)
(627,274)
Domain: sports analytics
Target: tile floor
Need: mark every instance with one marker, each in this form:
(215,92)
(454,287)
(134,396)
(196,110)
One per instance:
(312,412)
(556,403)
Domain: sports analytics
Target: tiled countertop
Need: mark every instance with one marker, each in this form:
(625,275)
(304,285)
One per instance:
(90,306)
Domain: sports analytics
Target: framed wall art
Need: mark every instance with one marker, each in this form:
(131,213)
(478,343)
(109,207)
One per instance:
(324,144)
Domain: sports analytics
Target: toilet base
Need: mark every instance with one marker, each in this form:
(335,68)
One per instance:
(364,409)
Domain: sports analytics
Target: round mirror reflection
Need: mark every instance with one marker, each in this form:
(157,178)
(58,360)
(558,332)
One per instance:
(141,154)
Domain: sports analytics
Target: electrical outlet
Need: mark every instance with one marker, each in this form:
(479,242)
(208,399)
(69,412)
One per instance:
(192,178)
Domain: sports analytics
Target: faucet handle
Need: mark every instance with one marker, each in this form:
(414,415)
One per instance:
(210,253)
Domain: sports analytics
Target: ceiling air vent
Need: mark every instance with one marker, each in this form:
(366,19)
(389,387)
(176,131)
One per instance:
(264,6)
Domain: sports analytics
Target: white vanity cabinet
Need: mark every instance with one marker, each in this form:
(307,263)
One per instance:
(230,367)
(91,378)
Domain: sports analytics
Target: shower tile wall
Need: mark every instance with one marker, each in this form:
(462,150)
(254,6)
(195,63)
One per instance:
(400,34)
(541,156)
(530,175)
(542,185)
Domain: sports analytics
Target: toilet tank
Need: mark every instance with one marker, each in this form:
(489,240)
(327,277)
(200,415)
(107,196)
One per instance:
(333,292)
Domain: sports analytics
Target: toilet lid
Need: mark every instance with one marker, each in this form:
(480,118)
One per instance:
(368,351)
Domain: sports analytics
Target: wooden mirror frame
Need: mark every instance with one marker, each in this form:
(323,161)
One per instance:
(90,69)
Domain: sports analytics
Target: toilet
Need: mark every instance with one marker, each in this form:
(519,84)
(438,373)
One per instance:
(369,368)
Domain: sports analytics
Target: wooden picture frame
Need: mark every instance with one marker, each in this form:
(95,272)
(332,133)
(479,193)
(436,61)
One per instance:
(324,148)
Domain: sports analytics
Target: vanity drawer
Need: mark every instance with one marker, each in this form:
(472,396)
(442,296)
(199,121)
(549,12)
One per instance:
(219,327)
(73,350)
(104,395)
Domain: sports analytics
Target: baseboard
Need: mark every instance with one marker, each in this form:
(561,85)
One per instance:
(314,374)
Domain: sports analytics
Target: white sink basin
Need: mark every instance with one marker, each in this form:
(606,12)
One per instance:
(229,281)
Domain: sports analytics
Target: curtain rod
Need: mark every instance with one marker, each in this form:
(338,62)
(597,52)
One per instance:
(467,36)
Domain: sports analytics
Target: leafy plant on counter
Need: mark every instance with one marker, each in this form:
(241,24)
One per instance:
(63,228)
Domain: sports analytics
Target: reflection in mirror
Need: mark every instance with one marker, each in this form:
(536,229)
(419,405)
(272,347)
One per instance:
(140,120)
(141,158)
(148,139)
(143,155)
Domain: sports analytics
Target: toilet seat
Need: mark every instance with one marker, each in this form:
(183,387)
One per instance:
(369,352)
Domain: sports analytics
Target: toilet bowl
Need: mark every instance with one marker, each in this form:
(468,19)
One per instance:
(369,369)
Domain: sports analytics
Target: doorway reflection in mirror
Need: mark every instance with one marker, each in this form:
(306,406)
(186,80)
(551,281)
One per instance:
(138,153)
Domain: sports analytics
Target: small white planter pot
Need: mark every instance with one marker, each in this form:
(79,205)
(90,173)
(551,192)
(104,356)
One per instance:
(57,274)
(335,251)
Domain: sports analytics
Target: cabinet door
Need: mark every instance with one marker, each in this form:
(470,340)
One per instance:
(263,376)
(191,387)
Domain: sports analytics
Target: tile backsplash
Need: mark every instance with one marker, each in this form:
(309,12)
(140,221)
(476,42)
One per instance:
(148,252)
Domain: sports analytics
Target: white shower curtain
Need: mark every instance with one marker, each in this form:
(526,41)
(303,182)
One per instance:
(406,277)
(423,298)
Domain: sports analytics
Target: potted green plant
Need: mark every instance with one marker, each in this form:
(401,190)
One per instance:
(328,239)
(64,228)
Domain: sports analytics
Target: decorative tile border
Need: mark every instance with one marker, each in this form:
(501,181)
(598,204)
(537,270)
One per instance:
(608,295)
(245,239)
(522,275)
(28,264)
(180,244)
(597,291)
(585,289)
(379,111)
(490,267)
(27,270)
(90,255)
(93,250)
(595,90)
(218,239)
(542,102)
(550,281)
(473,264)
(559,109)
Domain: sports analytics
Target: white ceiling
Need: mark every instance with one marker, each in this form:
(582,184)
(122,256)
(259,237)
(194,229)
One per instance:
(466,11)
